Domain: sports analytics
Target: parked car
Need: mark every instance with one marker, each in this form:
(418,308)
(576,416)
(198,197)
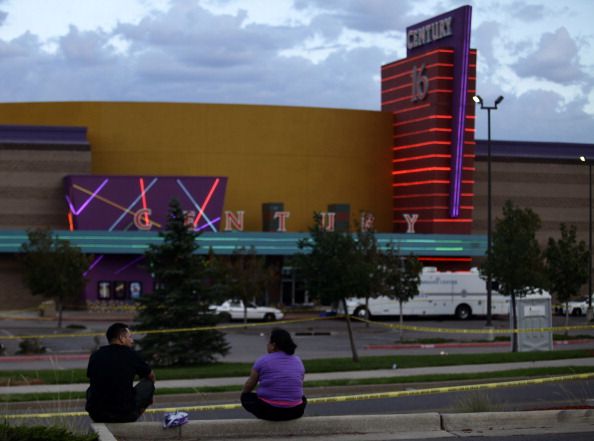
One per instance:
(233,310)
(576,307)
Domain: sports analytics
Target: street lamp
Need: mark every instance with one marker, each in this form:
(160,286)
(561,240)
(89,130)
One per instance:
(589,313)
(477,99)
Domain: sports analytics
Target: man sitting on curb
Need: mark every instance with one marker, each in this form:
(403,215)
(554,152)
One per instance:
(111,397)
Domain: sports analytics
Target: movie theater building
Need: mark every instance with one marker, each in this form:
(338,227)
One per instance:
(101,174)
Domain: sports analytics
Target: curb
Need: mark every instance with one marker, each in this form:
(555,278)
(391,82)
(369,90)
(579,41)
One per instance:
(427,423)
(420,426)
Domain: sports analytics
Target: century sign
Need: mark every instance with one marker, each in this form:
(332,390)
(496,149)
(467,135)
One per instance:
(429,33)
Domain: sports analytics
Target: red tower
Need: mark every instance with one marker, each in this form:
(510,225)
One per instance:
(419,91)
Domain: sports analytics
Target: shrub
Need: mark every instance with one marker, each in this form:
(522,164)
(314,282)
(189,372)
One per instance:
(41,433)
(31,346)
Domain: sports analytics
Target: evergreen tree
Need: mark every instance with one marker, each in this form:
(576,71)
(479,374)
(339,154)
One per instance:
(183,292)
(54,269)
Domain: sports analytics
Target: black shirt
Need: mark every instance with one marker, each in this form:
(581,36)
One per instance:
(111,372)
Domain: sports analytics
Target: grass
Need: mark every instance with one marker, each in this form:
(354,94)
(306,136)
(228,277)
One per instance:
(432,378)
(221,370)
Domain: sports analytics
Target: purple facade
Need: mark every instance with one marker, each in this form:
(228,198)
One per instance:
(136,203)
(451,29)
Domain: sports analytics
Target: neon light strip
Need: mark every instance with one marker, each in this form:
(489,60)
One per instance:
(422,195)
(93,265)
(88,201)
(418,132)
(207,225)
(433,181)
(422,157)
(408,97)
(113,204)
(433,207)
(408,85)
(420,144)
(411,184)
(424,118)
(189,195)
(206,201)
(408,60)
(445,259)
(458,141)
(405,74)
(134,202)
(420,170)
(410,109)
(70,221)
(146,218)
(129,264)
(439,221)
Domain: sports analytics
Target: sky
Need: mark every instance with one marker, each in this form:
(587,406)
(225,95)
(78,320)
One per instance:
(538,55)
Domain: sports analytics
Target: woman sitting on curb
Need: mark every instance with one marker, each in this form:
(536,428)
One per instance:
(280,377)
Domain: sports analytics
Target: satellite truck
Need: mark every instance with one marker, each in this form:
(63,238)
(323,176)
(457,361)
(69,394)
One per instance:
(461,294)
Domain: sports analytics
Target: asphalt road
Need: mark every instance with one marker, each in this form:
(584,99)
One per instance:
(316,339)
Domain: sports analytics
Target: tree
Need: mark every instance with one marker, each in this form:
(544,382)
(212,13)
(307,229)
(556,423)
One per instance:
(183,292)
(247,276)
(516,261)
(400,277)
(333,268)
(566,266)
(53,269)
(367,246)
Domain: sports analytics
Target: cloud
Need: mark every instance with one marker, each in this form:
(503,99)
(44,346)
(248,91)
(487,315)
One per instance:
(554,59)
(365,16)
(3,16)
(85,48)
(527,12)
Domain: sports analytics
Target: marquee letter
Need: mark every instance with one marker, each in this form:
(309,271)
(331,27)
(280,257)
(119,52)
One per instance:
(234,221)
(141,219)
(282,216)
(410,221)
(367,221)
(330,216)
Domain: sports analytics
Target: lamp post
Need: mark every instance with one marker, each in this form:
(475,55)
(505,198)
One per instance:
(477,99)
(589,313)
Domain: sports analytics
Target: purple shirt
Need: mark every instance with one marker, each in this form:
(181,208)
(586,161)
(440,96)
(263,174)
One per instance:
(280,379)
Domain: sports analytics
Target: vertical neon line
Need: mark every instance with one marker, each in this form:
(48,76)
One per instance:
(198,207)
(146,218)
(206,201)
(70,221)
(461,114)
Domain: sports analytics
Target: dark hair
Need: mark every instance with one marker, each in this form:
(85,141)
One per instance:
(115,331)
(283,341)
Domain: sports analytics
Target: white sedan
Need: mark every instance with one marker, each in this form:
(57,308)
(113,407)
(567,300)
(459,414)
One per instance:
(575,307)
(233,310)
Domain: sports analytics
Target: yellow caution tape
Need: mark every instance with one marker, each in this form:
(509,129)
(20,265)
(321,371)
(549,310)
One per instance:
(167,331)
(342,398)
(285,322)
(475,331)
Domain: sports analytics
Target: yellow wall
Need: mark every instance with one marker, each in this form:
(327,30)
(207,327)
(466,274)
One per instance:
(305,157)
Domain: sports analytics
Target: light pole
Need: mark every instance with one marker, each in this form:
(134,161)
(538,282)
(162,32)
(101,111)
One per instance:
(589,313)
(477,99)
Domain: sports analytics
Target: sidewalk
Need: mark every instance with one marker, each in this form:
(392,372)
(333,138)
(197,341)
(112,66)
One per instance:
(351,375)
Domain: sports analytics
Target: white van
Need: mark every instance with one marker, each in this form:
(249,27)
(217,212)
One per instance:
(461,294)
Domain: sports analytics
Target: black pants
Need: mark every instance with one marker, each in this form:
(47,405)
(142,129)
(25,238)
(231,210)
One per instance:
(143,398)
(264,411)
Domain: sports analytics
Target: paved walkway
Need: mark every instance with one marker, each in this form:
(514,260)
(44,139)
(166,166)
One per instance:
(380,373)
